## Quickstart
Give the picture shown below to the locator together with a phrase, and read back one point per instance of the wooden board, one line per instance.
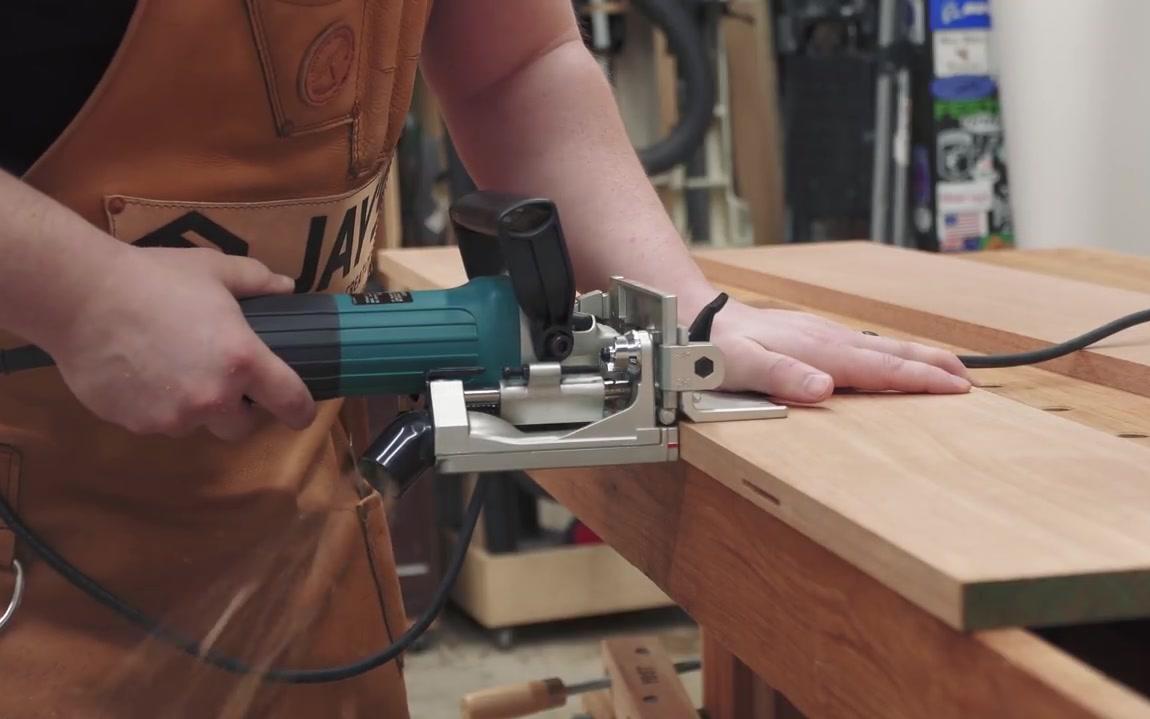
(985, 308)
(1103, 267)
(731, 690)
(983, 512)
(644, 684)
(1111, 410)
(757, 153)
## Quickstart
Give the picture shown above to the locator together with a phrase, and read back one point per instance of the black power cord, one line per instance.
(236, 666)
(685, 41)
(1059, 350)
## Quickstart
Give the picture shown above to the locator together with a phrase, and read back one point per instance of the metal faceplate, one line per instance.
(475, 441)
(729, 406)
(687, 372)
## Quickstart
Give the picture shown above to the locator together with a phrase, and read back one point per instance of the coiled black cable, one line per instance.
(286, 676)
(697, 111)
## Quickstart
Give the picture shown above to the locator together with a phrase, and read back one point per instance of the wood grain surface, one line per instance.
(731, 690)
(984, 512)
(769, 593)
(833, 639)
(644, 684)
(983, 307)
(1102, 267)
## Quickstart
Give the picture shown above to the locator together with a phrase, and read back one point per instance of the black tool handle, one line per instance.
(700, 330)
(521, 236)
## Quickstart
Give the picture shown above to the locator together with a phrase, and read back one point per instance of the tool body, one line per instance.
(385, 343)
(376, 343)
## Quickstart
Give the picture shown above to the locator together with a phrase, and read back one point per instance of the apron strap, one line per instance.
(10, 491)
(9, 565)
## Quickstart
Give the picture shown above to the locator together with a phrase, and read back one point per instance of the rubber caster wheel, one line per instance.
(504, 638)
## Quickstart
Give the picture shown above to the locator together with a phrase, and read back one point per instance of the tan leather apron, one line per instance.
(260, 128)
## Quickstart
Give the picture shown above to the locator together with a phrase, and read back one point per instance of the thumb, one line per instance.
(750, 366)
(247, 277)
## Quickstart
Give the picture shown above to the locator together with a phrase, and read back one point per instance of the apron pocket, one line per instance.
(10, 491)
(387, 75)
(310, 54)
(10, 573)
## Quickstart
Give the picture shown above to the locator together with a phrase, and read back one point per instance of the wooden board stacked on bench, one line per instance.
(983, 307)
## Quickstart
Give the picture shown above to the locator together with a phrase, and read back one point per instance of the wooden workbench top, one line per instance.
(985, 510)
(981, 510)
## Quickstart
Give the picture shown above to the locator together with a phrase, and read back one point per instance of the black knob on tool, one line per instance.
(404, 451)
(700, 330)
(523, 237)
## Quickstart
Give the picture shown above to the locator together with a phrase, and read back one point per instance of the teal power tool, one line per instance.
(516, 371)
(387, 343)
(519, 373)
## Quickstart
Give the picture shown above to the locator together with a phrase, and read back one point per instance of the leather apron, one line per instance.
(261, 128)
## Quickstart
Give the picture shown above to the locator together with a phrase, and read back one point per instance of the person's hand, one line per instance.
(162, 347)
(802, 358)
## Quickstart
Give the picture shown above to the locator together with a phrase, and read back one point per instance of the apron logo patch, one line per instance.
(326, 244)
(174, 234)
(327, 65)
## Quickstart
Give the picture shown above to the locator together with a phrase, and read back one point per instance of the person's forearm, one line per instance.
(552, 129)
(51, 259)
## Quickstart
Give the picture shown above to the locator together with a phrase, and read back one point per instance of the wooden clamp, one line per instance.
(641, 683)
(644, 684)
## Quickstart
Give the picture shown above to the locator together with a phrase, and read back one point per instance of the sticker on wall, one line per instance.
(961, 52)
(969, 144)
(971, 196)
(959, 14)
(961, 231)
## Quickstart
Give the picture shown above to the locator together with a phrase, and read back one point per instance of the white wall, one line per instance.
(1075, 89)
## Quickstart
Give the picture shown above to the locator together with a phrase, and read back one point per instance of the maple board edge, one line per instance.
(1056, 601)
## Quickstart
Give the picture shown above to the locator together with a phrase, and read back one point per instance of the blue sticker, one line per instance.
(959, 14)
(963, 87)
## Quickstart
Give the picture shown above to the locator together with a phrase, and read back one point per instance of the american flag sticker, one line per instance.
(956, 230)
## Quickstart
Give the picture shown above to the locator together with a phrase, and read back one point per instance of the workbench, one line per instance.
(793, 622)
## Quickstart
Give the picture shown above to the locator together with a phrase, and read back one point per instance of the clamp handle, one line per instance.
(700, 330)
(521, 236)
